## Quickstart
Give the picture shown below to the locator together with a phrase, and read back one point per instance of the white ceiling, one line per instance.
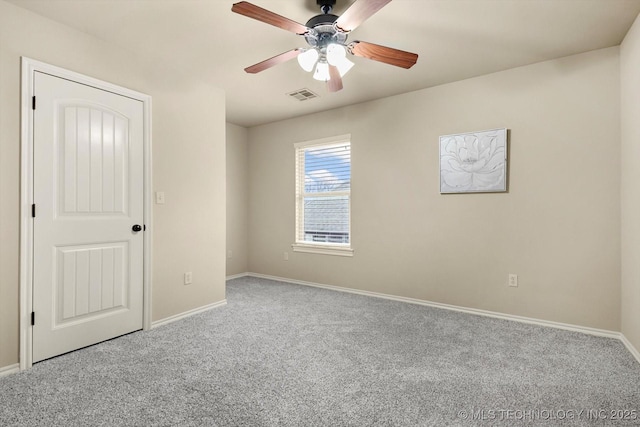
(455, 39)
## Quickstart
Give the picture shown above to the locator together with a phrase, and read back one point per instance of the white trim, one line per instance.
(186, 314)
(148, 215)
(236, 276)
(546, 323)
(521, 319)
(322, 249)
(634, 351)
(26, 225)
(29, 67)
(8, 370)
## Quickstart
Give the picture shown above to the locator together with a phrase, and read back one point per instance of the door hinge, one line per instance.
(33, 318)
(33, 102)
(33, 210)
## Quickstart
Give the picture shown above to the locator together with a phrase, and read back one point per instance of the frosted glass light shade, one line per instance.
(308, 59)
(344, 66)
(335, 54)
(322, 72)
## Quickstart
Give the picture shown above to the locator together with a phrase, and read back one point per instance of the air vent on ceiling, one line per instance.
(302, 94)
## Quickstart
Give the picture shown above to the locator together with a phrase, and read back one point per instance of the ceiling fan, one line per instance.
(327, 35)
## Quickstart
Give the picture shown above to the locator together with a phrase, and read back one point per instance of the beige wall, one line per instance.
(558, 228)
(237, 199)
(189, 167)
(189, 164)
(630, 101)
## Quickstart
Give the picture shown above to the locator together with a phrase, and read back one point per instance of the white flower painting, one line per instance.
(474, 162)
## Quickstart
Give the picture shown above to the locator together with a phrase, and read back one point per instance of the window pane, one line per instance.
(327, 169)
(326, 219)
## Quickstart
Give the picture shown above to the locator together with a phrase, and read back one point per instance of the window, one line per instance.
(323, 196)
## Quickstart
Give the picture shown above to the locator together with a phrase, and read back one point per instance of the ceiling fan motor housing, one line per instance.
(325, 31)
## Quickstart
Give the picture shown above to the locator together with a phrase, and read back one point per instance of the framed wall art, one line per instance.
(474, 162)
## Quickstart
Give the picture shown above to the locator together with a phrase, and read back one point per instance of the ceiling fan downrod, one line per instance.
(326, 6)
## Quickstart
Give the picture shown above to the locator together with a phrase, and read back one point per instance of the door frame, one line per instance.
(29, 68)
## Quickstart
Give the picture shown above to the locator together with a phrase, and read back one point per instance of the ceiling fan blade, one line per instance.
(388, 55)
(334, 83)
(359, 12)
(256, 12)
(268, 63)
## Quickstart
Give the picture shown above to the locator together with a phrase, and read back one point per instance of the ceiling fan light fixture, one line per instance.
(335, 54)
(344, 66)
(322, 72)
(308, 59)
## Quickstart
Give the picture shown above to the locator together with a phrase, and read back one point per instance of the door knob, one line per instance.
(136, 228)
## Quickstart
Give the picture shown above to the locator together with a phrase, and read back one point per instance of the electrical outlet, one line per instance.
(513, 280)
(286, 256)
(188, 278)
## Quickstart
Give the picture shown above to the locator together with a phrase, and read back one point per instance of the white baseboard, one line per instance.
(487, 313)
(634, 351)
(547, 323)
(186, 314)
(237, 276)
(8, 370)
(479, 312)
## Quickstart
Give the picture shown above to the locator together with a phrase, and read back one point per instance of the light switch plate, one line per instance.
(160, 197)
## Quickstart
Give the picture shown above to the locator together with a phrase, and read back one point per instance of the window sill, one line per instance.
(323, 249)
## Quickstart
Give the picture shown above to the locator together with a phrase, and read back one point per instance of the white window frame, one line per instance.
(327, 248)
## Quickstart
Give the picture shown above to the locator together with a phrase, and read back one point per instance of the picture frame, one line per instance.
(474, 162)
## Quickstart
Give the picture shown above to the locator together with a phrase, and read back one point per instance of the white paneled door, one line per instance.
(88, 195)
